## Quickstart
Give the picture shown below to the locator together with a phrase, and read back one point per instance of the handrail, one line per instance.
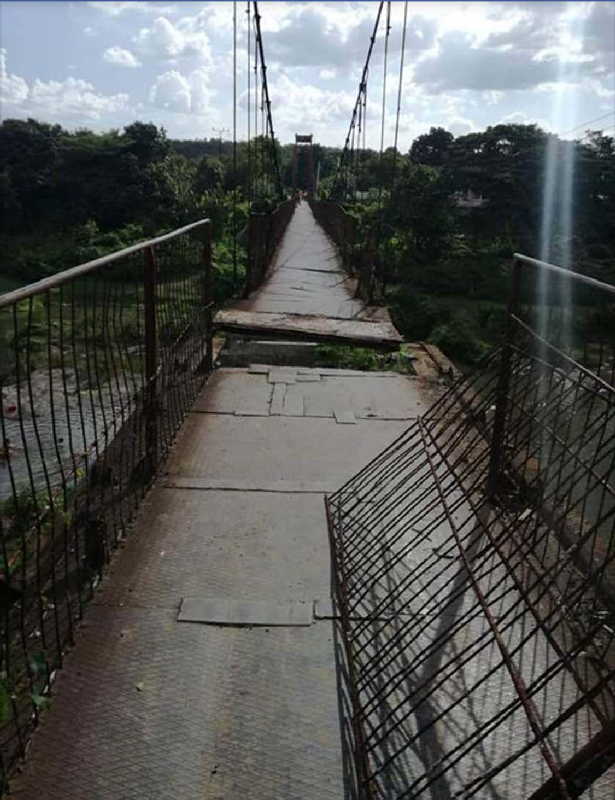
(568, 273)
(66, 275)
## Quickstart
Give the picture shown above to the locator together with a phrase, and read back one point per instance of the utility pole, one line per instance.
(219, 132)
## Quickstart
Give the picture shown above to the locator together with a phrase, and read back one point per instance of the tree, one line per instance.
(209, 175)
(432, 148)
(147, 142)
(504, 164)
(28, 157)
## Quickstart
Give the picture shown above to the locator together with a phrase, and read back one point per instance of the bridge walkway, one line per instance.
(308, 294)
(148, 706)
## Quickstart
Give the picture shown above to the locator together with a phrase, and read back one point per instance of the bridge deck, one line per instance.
(151, 707)
(307, 294)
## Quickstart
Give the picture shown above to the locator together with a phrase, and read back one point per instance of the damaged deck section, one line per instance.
(368, 333)
(308, 296)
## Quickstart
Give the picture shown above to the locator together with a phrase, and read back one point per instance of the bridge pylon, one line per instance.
(303, 163)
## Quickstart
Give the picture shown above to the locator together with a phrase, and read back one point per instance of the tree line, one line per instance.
(67, 196)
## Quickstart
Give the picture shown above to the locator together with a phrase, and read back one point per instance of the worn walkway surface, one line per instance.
(150, 707)
(308, 294)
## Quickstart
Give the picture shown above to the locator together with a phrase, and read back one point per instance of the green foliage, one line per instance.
(432, 148)
(5, 701)
(458, 339)
(346, 357)
(415, 315)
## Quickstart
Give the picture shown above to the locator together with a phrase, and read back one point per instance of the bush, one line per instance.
(415, 315)
(458, 339)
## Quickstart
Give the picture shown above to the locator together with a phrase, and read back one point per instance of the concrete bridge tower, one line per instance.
(303, 163)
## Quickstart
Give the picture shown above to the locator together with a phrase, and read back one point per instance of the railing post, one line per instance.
(150, 276)
(498, 435)
(251, 255)
(256, 248)
(207, 298)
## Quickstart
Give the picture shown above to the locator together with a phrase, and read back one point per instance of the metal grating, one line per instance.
(475, 578)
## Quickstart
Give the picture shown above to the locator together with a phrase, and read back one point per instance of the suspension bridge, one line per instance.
(231, 570)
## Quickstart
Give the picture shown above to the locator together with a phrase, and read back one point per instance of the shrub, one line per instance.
(458, 339)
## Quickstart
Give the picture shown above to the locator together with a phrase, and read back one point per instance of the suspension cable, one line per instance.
(256, 142)
(399, 91)
(274, 154)
(234, 141)
(384, 93)
(362, 85)
(250, 186)
(384, 74)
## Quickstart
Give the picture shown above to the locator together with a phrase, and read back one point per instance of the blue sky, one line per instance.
(468, 65)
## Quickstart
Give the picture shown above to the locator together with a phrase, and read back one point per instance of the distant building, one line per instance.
(469, 199)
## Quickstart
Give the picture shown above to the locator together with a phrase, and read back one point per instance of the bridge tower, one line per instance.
(303, 163)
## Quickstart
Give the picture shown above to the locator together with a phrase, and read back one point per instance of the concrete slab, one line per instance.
(236, 392)
(147, 708)
(293, 404)
(343, 416)
(277, 448)
(277, 399)
(314, 327)
(251, 613)
(366, 396)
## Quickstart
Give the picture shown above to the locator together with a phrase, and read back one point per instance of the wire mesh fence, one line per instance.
(357, 251)
(265, 231)
(98, 366)
(475, 570)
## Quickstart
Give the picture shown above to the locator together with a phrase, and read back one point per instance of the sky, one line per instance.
(468, 65)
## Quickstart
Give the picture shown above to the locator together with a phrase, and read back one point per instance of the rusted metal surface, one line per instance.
(475, 566)
(265, 232)
(99, 365)
(148, 707)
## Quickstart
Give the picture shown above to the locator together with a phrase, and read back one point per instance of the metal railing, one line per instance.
(265, 231)
(98, 366)
(475, 569)
(359, 258)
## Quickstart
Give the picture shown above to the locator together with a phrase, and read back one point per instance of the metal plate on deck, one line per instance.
(344, 416)
(226, 611)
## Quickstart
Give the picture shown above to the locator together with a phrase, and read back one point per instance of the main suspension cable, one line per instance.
(265, 88)
(250, 187)
(384, 96)
(399, 91)
(362, 86)
(234, 141)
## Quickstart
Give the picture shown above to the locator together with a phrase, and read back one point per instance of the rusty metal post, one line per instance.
(585, 767)
(503, 388)
(208, 282)
(208, 299)
(150, 275)
(251, 255)
(256, 244)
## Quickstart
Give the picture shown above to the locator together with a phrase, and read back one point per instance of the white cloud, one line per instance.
(458, 126)
(121, 57)
(307, 107)
(171, 91)
(72, 98)
(88, 31)
(190, 94)
(114, 9)
(13, 89)
(166, 41)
